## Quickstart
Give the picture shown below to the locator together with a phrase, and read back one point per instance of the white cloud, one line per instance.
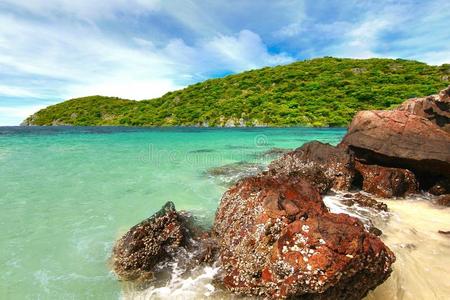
(140, 49)
(434, 57)
(136, 90)
(244, 51)
(358, 40)
(78, 59)
(290, 30)
(10, 116)
(93, 63)
(86, 10)
(13, 91)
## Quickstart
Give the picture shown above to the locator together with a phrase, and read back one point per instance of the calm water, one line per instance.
(66, 194)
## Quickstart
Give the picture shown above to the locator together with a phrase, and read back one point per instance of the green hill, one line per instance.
(319, 92)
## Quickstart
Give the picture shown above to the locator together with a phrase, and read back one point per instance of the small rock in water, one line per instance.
(164, 237)
(375, 231)
(409, 246)
(443, 200)
(202, 151)
(363, 200)
(272, 153)
(441, 187)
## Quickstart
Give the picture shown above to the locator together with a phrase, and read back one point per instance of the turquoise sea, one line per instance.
(67, 193)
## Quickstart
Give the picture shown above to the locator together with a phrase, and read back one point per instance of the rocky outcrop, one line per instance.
(322, 164)
(156, 240)
(435, 108)
(273, 235)
(387, 182)
(402, 140)
(415, 137)
(277, 239)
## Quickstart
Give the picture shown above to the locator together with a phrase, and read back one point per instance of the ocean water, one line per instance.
(67, 193)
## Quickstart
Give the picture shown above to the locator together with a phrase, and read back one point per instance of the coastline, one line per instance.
(257, 260)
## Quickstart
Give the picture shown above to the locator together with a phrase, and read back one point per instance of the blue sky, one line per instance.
(51, 50)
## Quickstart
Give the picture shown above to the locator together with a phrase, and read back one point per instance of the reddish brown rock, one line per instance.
(435, 108)
(159, 239)
(278, 240)
(324, 165)
(387, 182)
(402, 140)
(441, 187)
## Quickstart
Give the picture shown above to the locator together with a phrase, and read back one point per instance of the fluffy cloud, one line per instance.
(52, 50)
(11, 116)
(244, 51)
(90, 62)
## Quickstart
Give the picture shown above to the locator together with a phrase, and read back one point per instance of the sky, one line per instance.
(53, 50)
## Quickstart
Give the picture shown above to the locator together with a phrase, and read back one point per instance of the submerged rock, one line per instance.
(277, 239)
(272, 153)
(387, 182)
(161, 238)
(364, 200)
(202, 151)
(324, 165)
(443, 200)
(230, 173)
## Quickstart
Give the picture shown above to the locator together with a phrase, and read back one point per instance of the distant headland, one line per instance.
(322, 92)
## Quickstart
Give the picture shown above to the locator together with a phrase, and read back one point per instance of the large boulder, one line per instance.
(400, 139)
(387, 182)
(163, 237)
(277, 239)
(324, 165)
(435, 108)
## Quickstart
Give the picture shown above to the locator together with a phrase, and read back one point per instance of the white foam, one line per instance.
(198, 285)
(365, 214)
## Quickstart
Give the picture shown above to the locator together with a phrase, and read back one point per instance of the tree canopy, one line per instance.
(319, 92)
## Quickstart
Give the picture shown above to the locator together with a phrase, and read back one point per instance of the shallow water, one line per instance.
(423, 255)
(66, 194)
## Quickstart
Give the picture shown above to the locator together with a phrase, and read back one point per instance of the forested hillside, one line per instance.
(319, 92)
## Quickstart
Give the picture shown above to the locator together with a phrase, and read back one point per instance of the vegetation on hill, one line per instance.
(319, 92)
